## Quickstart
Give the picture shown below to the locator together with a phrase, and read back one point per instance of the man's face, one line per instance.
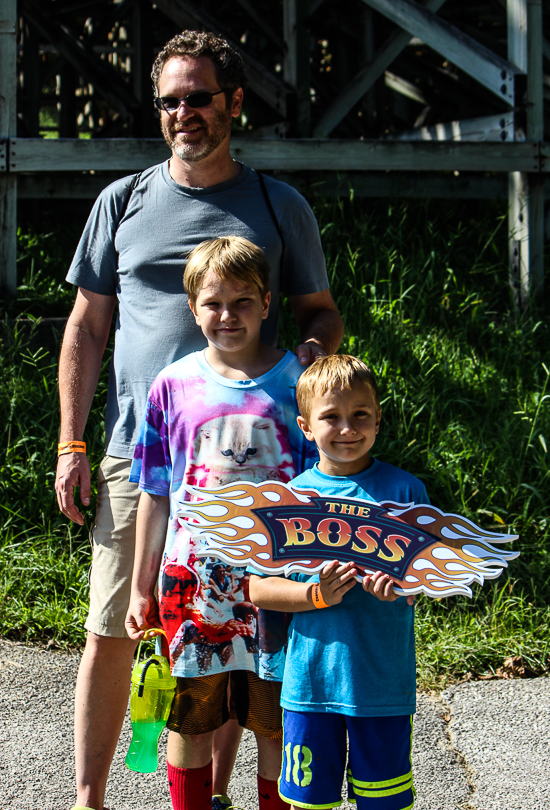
(195, 133)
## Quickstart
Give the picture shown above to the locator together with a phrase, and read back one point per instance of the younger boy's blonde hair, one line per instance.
(334, 371)
(228, 257)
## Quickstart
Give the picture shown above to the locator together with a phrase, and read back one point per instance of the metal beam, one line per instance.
(486, 67)
(122, 154)
(8, 123)
(260, 80)
(365, 79)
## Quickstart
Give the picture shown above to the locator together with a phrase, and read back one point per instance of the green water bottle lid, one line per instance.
(153, 673)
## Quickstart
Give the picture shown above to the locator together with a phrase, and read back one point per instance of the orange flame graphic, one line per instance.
(223, 525)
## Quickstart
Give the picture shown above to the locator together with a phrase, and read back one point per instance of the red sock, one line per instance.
(268, 795)
(191, 788)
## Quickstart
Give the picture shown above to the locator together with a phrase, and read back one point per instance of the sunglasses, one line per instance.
(170, 103)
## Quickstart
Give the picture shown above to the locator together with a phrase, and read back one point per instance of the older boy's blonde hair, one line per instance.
(228, 257)
(334, 371)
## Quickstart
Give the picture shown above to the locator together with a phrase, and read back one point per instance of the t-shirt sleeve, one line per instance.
(152, 465)
(95, 262)
(303, 269)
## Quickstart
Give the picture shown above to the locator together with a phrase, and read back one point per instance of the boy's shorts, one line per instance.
(113, 544)
(314, 760)
(201, 704)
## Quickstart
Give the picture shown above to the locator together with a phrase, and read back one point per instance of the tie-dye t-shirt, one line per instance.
(201, 429)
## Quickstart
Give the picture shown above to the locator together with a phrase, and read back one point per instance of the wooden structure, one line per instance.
(388, 97)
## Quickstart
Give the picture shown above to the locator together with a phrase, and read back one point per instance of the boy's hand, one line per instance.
(336, 580)
(381, 586)
(143, 614)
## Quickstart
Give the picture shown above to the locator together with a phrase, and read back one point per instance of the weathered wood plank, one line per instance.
(124, 154)
(31, 154)
(475, 59)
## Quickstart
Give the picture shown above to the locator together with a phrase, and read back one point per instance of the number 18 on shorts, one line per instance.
(379, 769)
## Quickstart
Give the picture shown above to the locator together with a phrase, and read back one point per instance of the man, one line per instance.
(132, 251)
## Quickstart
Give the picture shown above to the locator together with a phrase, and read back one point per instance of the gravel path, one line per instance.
(479, 746)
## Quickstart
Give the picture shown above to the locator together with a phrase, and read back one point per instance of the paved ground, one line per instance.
(478, 746)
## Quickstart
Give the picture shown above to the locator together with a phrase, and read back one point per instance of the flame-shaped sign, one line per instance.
(279, 529)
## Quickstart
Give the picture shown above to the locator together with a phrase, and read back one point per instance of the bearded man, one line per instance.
(131, 255)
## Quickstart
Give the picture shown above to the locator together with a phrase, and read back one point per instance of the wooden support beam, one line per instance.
(123, 154)
(30, 96)
(260, 80)
(486, 67)
(535, 132)
(296, 67)
(366, 77)
(8, 123)
(525, 190)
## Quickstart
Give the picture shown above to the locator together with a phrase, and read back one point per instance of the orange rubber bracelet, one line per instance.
(70, 447)
(317, 596)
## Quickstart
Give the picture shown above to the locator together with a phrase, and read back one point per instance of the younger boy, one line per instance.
(222, 415)
(350, 668)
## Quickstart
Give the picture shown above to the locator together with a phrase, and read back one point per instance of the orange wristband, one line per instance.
(70, 447)
(317, 596)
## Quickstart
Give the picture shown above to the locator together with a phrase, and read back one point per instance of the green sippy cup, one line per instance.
(151, 696)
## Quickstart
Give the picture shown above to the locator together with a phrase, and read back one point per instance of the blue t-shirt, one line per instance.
(203, 430)
(356, 658)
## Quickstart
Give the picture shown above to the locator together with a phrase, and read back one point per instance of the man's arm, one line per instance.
(321, 327)
(152, 521)
(84, 342)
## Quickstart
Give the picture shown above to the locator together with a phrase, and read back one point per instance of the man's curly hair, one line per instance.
(228, 63)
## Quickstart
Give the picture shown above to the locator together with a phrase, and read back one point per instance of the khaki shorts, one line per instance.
(113, 543)
(200, 704)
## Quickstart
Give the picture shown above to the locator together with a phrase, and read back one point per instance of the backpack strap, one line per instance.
(270, 207)
(128, 194)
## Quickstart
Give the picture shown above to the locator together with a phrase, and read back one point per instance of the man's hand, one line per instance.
(143, 614)
(321, 327)
(73, 470)
(381, 586)
(308, 352)
(336, 580)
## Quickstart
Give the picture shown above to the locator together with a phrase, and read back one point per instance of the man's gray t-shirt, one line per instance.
(142, 260)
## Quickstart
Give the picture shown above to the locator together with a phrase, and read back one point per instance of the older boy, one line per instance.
(350, 668)
(221, 415)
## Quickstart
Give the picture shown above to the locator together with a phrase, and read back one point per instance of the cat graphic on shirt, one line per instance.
(239, 447)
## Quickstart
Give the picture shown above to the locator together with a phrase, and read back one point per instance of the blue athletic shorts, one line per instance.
(314, 760)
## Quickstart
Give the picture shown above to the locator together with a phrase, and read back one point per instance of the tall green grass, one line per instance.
(423, 291)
